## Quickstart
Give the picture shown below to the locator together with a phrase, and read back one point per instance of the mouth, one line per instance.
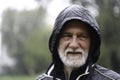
(74, 53)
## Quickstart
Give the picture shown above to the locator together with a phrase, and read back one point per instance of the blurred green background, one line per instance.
(25, 36)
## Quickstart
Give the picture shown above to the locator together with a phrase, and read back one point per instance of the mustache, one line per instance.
(69, 50)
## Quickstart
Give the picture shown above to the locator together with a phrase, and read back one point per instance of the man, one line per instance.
(75, 47)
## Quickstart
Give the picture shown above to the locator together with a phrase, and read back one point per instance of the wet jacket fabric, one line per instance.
(99, 73)
(89, 71)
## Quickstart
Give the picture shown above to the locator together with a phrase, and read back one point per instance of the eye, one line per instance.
(83, 37)
(66, 36)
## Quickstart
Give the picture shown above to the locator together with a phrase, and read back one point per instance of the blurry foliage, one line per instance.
(108, 19)
(37, 46)
(25, 35)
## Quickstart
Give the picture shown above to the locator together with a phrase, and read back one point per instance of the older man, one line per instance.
(75, 47)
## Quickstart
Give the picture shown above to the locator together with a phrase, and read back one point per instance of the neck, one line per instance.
(68, 71)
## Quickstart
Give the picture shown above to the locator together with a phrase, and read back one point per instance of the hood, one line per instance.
(82, 14)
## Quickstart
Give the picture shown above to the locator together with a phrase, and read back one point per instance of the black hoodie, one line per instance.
(74, 12)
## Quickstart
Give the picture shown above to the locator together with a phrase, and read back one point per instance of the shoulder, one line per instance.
(106, 73)
(44, 77)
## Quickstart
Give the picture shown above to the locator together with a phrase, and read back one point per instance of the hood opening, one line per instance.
(94, 51)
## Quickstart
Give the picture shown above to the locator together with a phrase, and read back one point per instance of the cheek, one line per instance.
(63, 45)
(87, 45)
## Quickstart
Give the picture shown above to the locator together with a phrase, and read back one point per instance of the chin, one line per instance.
(74, 62)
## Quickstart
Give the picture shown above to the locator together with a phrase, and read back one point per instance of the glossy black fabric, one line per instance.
(99, 73)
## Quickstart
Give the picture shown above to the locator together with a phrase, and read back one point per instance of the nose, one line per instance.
(74, 44)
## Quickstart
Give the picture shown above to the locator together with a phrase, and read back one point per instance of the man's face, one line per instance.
(74, 44)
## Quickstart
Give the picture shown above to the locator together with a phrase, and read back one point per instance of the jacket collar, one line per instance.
(75, 75)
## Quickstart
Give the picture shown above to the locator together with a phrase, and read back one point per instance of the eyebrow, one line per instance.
(68, 33)
(65, 33)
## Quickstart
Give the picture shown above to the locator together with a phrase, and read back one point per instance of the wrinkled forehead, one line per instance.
(75, 24)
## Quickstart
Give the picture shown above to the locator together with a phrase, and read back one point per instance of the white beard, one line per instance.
(73, 61)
